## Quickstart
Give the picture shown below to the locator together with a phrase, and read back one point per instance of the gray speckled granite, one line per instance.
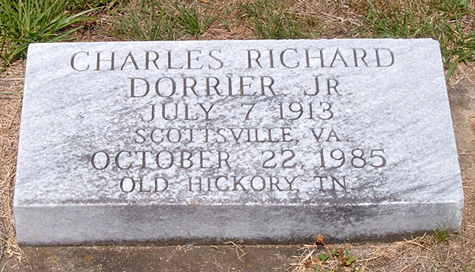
(95, 167)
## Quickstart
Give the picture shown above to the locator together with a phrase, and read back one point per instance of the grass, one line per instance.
(79, 5)
(193, 18)
(321, 258)
(151, 20)
(448, 21)
(442, 233)
(28, 21)
(438, 19)
(147, 21)
(278, 20)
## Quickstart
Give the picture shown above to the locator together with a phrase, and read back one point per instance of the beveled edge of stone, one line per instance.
(72, 225)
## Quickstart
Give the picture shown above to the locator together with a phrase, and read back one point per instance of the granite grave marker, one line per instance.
(206, 141)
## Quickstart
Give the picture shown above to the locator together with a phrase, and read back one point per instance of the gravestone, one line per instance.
(206, 141)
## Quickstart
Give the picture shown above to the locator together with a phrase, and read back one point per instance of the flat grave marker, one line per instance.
(206, 141)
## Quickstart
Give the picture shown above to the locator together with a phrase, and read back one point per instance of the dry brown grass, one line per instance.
(418, 254)
(11, 85)
(337, 20)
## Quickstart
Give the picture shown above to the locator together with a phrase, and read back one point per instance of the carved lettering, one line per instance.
(248, 183)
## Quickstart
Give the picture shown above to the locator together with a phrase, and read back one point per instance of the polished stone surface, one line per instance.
(212, 140)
